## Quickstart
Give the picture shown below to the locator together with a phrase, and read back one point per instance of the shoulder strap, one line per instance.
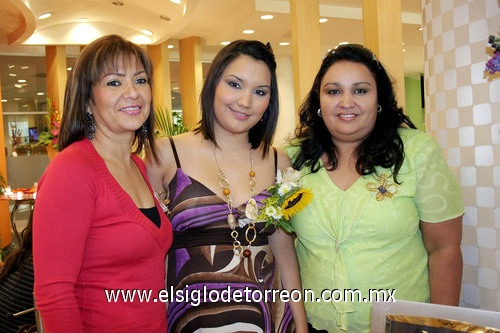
(175, 153)
(275, 160)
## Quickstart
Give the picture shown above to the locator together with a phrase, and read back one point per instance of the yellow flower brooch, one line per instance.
(287, 199)
(383, 189)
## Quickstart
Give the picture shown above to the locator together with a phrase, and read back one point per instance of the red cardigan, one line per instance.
(88, 236)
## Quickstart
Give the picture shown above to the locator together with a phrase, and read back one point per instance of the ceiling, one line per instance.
(215, 21)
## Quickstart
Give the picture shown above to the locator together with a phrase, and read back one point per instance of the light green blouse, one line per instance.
(368, 237)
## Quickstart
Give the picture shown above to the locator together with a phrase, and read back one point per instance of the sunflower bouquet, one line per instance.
(287, 199)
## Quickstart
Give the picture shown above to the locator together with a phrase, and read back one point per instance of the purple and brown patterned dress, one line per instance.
(215, 290)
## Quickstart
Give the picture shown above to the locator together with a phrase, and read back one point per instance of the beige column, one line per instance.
(5, 235)
(191, 79)
(306, 46)
(383, 34)
(55, 57)
(162, 95)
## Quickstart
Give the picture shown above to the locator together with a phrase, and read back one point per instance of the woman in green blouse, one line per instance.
(386, 216)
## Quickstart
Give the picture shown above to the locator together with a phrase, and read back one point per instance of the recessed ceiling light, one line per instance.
(69, 68)
(4, 101)
(284, 43)
(17, 85)
(12, 74)
(248, 31)
(225, 43)
(170, 46)
(44, 16)
(21, 81)
(323, 20)
(17, 99)
(147, 32)
(267, 17)
(40, 94)
(420, 28)
(83, 19)
(25, 67)
(12, 66)
(176, 1)
(118, 3)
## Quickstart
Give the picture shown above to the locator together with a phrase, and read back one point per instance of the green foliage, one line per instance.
(165, 125)
(3, 183)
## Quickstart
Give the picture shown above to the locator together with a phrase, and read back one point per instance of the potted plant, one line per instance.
(49, 137)
(165, 125)
(3, 184)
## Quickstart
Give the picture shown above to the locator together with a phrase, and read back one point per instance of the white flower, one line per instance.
(291, 175)
(274, 212)
(284, 189)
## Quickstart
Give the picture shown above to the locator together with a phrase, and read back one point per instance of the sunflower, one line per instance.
(286, 199)
(296, 202)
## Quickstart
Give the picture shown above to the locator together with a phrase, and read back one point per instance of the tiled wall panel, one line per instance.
(463, 114)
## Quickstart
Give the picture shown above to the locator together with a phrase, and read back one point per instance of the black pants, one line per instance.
(313, 330)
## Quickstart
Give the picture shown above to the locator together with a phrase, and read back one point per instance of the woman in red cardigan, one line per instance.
(98, 227)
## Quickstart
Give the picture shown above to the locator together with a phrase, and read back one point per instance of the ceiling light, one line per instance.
(248, 31)
(17, 99)
(40, 94)
(69, 68)
(323, 20)
(12, 74)
(17, 85)
(147, 32)
(4, 100)
(44, 16)
(420, 28)
(170, 46)
(83, 19)
(284, 43)
(267, 17)
(25, 67)
(12, 66)
(225, 43)
(21, 81)
(118, 3)
(176, 1)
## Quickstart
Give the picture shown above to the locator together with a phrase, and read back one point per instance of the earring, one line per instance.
(379, 109)
(90, 125)
(145, 129)
(319, 113)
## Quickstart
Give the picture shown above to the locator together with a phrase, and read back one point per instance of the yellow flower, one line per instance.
(296, 202)
(383, 189)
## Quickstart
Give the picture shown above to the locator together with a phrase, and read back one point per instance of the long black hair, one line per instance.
(383, 147)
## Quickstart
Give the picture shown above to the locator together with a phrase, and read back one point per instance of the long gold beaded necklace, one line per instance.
(251, 210)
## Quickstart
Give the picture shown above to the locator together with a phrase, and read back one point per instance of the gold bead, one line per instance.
(252, 173)
(226, 191)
